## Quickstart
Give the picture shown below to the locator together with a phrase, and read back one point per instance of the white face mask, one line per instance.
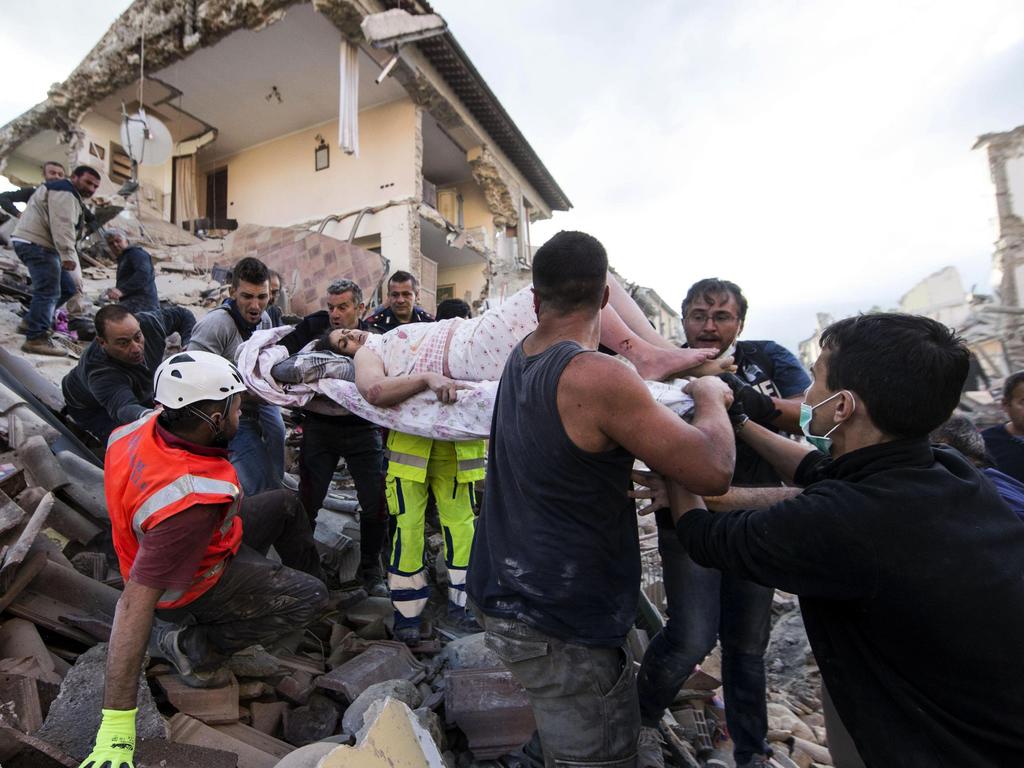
(822, 442)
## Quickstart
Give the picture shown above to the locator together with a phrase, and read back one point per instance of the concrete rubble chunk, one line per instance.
(254, 738)
(20, 638)
(188, 730)
(74, 717)
(313, 722)
(62, 592)
(382, 660)
(470, 652)
(37, 457)
(267, 716)
(211, 705)
(254, 689)
(369, 611)
(491, 708)
(392, 738)
(18, 547)
(402, 690)
(297, 687)
(157, 753)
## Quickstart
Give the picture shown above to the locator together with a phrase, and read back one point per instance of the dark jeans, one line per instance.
(326, 439)
(51, 286)
(703, 605)
(256, 600)
(257, 449)
(584, 698)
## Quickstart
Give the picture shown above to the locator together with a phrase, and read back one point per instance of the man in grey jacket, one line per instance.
(45, 241)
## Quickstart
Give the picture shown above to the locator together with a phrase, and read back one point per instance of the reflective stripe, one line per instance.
(127, 429)
(465, 465)
(407, 458)
(232, 513)
(409, 594)
(457, 576)
(417, 580)
(184, 486)
(457, 596)
(172, 595)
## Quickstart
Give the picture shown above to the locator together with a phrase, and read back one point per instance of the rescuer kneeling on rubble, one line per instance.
(191, 549)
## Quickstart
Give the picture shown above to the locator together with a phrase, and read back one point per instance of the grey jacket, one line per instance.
(52, 218)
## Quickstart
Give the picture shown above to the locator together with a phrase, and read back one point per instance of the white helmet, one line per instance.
(189, 377)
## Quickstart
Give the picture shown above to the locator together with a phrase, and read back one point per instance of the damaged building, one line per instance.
(358, 120)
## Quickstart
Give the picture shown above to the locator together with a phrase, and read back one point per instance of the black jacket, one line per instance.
(99, 384)
(910, 572)
(136, 280)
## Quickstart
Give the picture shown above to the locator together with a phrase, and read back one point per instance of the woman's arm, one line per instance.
(382, 390)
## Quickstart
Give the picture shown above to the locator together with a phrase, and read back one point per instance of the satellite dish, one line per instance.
(146, 140)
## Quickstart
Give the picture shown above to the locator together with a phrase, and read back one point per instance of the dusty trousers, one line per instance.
(584, 698)
(256, 600)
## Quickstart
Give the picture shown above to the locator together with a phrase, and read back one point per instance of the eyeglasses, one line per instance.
(718, 318)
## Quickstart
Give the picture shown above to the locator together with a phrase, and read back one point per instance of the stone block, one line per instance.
(211, 705)
(402, 690)
(313, 722)
(266, 717)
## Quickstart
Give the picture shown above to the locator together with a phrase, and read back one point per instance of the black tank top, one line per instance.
(556, 544)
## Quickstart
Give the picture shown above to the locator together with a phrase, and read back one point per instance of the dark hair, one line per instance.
(250, 270)
(450, 308)
(909, 370)
(112, 313)
(58, 164)
(85, 169)
(1011, 384)
(959, 432)
(711, 289)
(570, 272)
(272, 273)
(185, 420)
(401, 276)
(323, 342)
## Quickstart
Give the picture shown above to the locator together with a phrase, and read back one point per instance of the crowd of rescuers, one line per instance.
(550, 567)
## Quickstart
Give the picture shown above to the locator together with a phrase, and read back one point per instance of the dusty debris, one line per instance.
(393, 737)
(401, 690)
(211, 705)
(491, 708)
(382, 660)
(75, 715)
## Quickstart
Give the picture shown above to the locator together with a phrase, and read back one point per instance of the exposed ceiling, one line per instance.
(161, 102)
(444, 161)
(227, 84)
(43, 146)
(434, 245)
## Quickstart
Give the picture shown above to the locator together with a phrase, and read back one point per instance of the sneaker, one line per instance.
(43, 346)
(217, 677)
(373, 583)
(460, 622)
(649, 752)
(408, 635)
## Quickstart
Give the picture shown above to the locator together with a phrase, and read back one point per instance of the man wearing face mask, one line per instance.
(705, 605)
(191, 549)
(905, 558)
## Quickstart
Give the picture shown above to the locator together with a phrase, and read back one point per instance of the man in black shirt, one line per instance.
(135, 288)
(113, 382)
(906, 560)
(1005, 442)
(705, 605)
(330, 433)
(402, 307)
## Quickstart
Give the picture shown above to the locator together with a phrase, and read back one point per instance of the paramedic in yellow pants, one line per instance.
(450, 470)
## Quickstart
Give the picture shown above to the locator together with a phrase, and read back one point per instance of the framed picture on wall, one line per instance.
(445, 292)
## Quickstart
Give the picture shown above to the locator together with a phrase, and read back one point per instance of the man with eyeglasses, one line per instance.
(113, 382)
(703, 603)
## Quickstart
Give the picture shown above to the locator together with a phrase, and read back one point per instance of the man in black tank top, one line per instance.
(555, 568)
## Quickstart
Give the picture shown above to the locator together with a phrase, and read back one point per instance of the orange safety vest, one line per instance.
(147, 481)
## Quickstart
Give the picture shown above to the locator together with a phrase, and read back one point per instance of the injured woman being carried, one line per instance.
(439, 379)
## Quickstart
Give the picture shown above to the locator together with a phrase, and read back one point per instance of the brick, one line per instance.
(211, 705)
(266, 717)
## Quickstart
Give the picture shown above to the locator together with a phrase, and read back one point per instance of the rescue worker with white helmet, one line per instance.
(192, 549)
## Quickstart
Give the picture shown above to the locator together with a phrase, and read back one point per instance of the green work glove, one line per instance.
(115, 741)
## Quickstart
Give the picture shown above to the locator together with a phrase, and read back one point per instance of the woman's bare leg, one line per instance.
(653, 362)
(631, 314)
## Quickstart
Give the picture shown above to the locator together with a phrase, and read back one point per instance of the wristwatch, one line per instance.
(739, 423)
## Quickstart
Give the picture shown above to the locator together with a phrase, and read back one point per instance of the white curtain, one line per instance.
(348, 101)
(186, 206)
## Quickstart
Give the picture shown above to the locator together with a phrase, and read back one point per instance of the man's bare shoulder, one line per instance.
(599, 375)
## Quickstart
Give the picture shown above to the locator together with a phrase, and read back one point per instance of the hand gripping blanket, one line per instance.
(469, 418)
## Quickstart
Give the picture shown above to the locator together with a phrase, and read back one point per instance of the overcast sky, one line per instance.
(817, 153)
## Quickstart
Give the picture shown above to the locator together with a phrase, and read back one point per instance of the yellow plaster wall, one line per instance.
(471, 278)
(276, 184)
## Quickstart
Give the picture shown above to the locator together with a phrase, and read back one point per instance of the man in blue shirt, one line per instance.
(1005, 442)
(135, 289)
(703, 603)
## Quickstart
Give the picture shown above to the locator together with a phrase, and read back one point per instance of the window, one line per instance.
(120, 164)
